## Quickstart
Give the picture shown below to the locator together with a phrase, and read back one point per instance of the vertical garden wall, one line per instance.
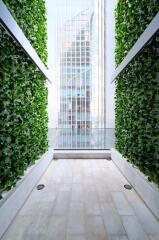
(137, 88)
(23, 94)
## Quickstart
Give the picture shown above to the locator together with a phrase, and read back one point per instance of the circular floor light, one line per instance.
(40, 186)
(128, 187)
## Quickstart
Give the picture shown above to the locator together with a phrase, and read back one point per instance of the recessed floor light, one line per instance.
(40, 186)
(128, 187)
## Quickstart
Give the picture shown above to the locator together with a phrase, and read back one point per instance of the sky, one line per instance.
(58, 12)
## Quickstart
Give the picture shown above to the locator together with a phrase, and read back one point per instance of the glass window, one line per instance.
(79, 36)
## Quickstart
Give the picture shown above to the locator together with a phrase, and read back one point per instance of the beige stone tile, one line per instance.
(104, 195)
(92, 206)
(34, 237)
(77, 187)
(134, 228)
(95, 228)
(49, 196)
(146, 218)
(66, 180)
(76, 208)
(77, 193)
(112, 220)
(67, 172)
(62, 203)
(39, 224)
(65, 187)
(76, 224)
(25, 227)
(77, 178)
(76, 219)
(153, 237)
(52, 186)
(29, 209)
(46, 208)
(102, 163)
(35, 196)
(119, 237)
(76, 237)
(110, 181)
(89, 187)
(56, 179)
(131, 195)
(123, 206)
(18, 228)
(101, 185)
(56, 229)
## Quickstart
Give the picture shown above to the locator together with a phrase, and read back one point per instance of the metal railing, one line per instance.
(82, 138)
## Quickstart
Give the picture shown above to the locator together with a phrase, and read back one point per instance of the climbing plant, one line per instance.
(23, 94)
(31, 17)
(137, 88)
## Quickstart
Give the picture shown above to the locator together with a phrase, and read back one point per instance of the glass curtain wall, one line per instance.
(79, 52)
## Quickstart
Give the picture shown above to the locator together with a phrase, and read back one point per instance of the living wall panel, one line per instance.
(31, 18)
(23, 94)
(137, 88)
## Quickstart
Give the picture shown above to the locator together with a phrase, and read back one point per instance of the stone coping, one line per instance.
(15, 198)
(148, 191)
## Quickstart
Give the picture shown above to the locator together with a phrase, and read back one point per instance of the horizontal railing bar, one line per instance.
(79, 128)
(12, 27)
(151, 29)
(83, 149)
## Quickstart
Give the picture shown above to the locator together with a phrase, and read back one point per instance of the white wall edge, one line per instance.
(110, 62)
(81, 154)
(16, 32)
(151, 29)
(10, 207)
(148, 191)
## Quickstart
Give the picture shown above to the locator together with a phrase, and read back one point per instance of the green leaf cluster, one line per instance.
(23, 97)
(137, 88)
(31, 17)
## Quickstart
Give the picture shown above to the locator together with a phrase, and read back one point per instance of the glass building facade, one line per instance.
(80, 72)
(76, 73)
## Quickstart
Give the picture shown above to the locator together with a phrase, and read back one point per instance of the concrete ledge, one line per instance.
(148, 191)
(149, 32)
(13, 28)
(10, 205)
(82, 154)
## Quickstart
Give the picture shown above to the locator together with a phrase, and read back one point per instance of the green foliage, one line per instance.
(137, 89)
(23, 99)
(132, 17)
(31, 17)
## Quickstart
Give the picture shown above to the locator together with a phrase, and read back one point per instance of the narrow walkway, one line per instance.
(83, 200)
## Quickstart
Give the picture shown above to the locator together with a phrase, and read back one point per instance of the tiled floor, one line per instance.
(83, 200)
